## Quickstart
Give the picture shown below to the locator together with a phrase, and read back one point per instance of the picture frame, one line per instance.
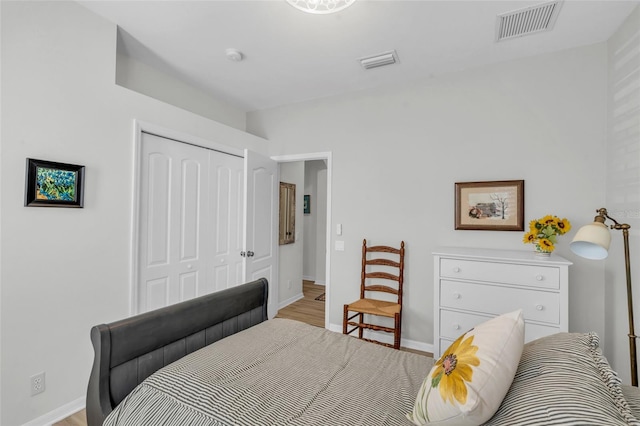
(52, 184)
(490, 205)
(306, 205)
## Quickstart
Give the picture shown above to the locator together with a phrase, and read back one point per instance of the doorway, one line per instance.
(319, 164)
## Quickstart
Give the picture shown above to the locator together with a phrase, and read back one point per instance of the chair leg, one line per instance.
(397, 332)
(344, 319)
(360, 330)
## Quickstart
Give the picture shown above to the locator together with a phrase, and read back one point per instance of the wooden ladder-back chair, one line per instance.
(378, 264)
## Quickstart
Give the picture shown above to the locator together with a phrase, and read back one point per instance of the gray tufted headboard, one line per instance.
(130, 350)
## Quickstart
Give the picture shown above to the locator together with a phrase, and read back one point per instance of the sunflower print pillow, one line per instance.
(468, 383)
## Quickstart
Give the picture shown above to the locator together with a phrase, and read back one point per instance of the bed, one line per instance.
(218, 360)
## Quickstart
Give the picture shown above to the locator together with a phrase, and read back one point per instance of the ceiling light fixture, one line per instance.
(320, 7)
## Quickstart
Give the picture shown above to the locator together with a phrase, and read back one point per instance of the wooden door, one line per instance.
(173, 198)
(261, 223)
(225, 218)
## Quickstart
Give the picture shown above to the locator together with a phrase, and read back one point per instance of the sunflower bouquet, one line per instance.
(543, 232)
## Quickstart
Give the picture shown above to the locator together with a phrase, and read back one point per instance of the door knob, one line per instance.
(250, 254)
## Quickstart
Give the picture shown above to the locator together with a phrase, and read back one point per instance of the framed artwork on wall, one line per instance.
(51, 184)
(287, 213)
(307, 204)
(490, 206)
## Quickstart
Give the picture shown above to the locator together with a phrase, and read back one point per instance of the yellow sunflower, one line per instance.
(548, 220)
(453, 369)
(546, 245)
(563, 226)
(534, 225)
(529, 237)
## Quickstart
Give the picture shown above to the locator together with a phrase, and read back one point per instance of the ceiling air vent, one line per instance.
(529, 20)
(387, 58)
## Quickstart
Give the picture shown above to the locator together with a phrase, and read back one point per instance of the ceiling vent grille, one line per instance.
(529, 20)
(387, 58)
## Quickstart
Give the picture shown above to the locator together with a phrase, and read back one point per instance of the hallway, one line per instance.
(308, 309)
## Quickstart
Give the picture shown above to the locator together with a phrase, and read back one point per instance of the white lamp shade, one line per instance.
(592, 241)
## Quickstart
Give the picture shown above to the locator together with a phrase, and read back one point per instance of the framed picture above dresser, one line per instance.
(472, 285)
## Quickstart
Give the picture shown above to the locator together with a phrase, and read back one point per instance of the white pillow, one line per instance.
(481, 365)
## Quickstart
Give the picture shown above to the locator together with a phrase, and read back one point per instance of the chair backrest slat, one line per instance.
(384, 262)
(382, 275)
(381, 288)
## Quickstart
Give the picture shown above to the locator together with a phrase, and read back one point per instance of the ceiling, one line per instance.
(291, 56)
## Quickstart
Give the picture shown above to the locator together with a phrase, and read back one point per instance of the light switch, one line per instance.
(339, 245)
(339, 229)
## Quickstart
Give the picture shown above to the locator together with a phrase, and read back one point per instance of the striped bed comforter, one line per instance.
(280, 372)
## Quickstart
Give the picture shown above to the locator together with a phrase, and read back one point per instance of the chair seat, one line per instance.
(375, 307)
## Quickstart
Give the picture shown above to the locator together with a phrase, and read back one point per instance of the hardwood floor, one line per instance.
(77, 419)
(307, 310)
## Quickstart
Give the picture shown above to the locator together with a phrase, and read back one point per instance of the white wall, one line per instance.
(65, 270)
(142, 78)
(398, 152)
(315, 223)
(321, 225)
(290, 255)
(623, 188)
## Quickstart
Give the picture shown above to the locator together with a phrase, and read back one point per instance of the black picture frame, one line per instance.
(490, 205)
(52, 184)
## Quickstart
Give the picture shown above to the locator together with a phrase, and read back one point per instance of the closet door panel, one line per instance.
(226, 211)
(173, 199)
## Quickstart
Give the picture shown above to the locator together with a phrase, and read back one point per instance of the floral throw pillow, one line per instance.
(470, 380)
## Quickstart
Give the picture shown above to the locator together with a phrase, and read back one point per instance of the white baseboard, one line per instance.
(59, 413)
(320, 283)
(290, 300)
(387, 338)
(308, 278)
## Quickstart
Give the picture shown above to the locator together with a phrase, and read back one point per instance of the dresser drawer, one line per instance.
(453, 324)
(494, 300)
(505, 273)
(531, 331)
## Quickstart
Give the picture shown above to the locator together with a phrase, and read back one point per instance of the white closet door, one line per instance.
(174, 188)
(261, 223)
(225, 216)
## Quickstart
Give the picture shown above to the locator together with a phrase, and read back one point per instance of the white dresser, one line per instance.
(473, 284)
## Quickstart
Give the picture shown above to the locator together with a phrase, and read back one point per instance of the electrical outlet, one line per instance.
(37, 384)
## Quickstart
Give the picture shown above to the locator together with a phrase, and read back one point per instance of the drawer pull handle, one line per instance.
(457, 296)
(456, 326)
(456, 269)
(540, 307)
(539, 277)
